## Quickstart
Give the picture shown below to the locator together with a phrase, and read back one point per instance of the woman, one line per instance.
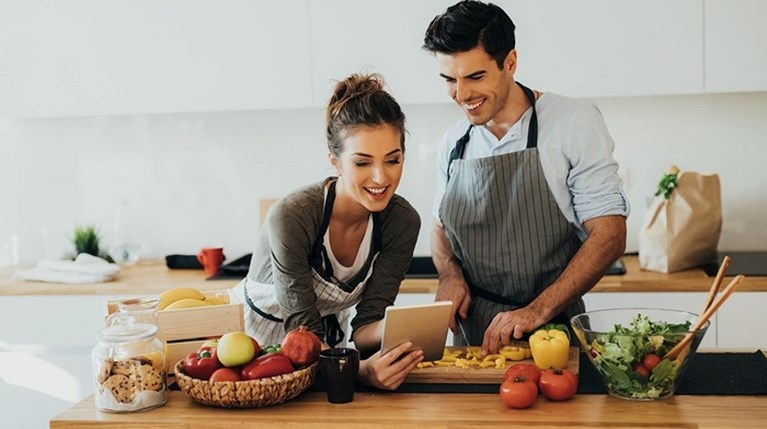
(344, 242)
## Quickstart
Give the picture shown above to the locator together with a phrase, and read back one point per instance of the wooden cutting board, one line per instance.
(455, 375)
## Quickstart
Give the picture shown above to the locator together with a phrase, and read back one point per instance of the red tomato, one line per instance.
(558, 385)
(268, 365)
(650, 361)
(523, 371)
(518, 394)
(225, 374)
(642, 370)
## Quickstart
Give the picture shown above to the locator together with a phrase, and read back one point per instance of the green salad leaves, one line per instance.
(620, 353)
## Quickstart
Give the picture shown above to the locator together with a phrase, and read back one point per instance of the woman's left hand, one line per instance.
(388, 370)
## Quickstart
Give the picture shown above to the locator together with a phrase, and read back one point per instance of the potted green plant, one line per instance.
(86, 239)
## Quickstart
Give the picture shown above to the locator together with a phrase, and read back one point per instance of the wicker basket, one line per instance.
(246, 394)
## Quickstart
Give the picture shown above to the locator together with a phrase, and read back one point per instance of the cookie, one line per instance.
(106, 370)
(146, 378)
(130, 365)
(120, 387)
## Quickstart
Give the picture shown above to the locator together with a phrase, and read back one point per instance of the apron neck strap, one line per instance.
(532, 132)
(532, 129)
(319, 259)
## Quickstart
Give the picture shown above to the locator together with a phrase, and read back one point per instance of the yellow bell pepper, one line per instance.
(550, 349)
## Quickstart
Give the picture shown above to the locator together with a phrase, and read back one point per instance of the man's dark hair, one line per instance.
(470, 23)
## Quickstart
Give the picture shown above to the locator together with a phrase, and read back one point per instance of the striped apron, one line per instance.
(506, 229)
(263, 315)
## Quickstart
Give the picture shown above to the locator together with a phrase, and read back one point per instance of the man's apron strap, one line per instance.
(490, 296)
(532, 132)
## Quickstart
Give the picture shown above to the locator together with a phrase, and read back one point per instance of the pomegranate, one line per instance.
(301, 346)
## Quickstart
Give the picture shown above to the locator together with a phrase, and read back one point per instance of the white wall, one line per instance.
(191, 180)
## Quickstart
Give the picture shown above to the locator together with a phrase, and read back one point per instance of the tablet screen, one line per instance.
(425, 325)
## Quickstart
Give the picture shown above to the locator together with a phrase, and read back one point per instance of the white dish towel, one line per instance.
(84, 269)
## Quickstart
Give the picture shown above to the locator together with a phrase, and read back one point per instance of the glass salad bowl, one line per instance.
(637, 351)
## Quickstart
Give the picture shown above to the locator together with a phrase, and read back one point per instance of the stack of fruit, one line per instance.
(236, 356)
(186, 297)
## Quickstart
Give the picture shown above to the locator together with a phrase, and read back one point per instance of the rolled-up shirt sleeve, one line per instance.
(593, 179)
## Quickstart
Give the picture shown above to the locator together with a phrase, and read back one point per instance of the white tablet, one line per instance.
(425, 325)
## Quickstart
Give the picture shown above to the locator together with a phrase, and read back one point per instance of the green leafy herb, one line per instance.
(667, 184)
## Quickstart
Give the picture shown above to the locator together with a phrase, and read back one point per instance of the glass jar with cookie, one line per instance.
(129, 367)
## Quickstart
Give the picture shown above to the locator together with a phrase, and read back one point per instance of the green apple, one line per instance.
(235, 348)
(210, 343)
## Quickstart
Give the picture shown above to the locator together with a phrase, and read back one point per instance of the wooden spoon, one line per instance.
(705, 316)
(712, 291)
(717, 283)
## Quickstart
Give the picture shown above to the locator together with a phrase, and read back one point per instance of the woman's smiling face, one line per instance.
(370, 166)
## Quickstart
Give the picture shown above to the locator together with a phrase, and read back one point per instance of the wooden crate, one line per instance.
(186, 329)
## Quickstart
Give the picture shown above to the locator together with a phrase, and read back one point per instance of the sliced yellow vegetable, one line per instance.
(512, 353)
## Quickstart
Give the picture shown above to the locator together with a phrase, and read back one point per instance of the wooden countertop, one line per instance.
(433, 410)
(152, 277)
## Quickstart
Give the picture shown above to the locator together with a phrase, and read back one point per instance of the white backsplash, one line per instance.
(183, 181)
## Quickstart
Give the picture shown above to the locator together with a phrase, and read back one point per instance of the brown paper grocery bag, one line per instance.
(682, 231)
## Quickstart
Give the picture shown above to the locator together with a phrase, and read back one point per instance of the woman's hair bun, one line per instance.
(361, 100)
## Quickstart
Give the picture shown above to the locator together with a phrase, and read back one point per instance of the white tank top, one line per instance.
(341, 272)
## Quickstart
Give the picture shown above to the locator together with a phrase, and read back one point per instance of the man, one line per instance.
(529, 211)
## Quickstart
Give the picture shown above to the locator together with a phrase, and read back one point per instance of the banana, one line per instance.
(172, 295)
(187, 303)
(216, 299)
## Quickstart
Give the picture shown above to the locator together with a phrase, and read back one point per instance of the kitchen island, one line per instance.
(434, 410)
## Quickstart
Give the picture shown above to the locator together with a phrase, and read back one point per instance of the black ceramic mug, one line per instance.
(338, 368)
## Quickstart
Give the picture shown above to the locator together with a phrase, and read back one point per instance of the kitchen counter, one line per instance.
(422, 410)
(152, 277)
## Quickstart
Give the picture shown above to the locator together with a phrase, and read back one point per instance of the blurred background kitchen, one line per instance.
(165, 123)
(173, 119)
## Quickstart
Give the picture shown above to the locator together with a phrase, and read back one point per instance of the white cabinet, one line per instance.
(386, 37)
(51, 321)
(597, 48)
(736, 45)
(45, 354)
(742, 321)
(686, 301)
(590, 48)
(94, 57)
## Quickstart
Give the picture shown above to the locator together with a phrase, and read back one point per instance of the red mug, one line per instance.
(211, 259)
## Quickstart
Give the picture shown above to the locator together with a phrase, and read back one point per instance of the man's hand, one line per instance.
(455, 289)
(452, 284)
(508, 325)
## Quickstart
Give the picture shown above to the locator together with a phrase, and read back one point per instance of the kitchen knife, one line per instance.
(461, 331)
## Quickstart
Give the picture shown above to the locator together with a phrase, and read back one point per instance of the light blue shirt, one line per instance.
(576, 153)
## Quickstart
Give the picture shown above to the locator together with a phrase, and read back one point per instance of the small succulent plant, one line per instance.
(86, 239)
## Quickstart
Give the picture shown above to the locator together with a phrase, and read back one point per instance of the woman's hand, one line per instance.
(389, 370)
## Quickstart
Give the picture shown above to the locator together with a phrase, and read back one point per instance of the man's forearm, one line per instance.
(606, 243)
(442, 254)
